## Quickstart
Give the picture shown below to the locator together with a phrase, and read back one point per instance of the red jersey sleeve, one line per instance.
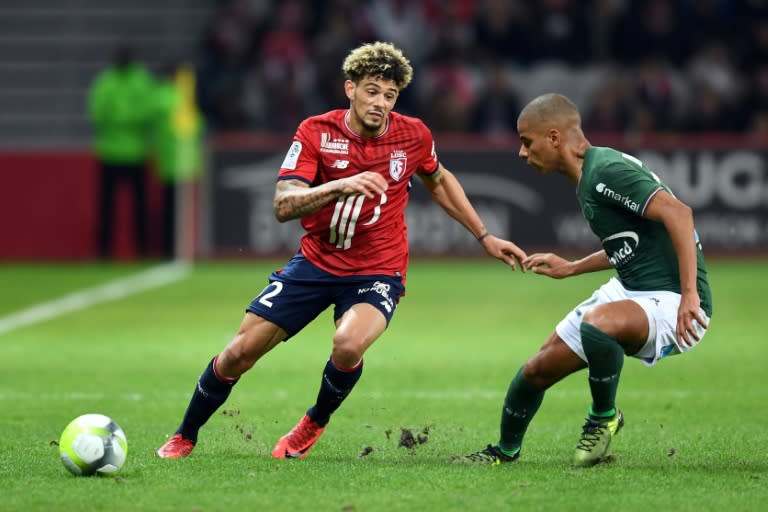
(430, 162)
(301, 160)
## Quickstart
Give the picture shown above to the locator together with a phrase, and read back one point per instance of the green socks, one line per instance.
(607, 415)
(605, 358)
(520, 405)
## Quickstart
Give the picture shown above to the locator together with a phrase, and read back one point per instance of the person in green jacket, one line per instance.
(177, 140)
(120, 109)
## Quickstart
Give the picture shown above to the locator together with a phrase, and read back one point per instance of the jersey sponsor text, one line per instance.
(329, 145)
(611, 194)
(626, 251)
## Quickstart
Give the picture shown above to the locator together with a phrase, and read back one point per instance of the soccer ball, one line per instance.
(93, 443)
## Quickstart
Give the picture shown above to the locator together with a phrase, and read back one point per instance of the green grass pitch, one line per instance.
(696, 436)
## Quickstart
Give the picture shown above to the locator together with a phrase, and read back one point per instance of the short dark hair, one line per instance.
(551, 107)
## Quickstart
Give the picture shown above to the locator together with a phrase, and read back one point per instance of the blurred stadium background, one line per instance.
(682, 84)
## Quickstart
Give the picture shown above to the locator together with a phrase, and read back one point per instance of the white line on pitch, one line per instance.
(113, 290)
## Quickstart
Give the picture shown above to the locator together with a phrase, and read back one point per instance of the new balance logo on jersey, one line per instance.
(338, 146)
(340, 164)
(625, 200)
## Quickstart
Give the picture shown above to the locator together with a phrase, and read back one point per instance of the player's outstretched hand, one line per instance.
(687, 314)
(369, 184)
(548, 264)
(504, 250)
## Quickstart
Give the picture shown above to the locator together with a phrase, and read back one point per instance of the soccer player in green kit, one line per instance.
(658, 305)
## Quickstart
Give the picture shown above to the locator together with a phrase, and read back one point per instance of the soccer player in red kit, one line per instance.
(346, 176)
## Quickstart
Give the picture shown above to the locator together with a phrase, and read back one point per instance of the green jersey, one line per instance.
(120, 108)
(613, 192)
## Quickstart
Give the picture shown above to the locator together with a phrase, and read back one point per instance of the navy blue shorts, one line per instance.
(300, 291)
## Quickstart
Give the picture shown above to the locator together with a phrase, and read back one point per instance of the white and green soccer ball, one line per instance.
(93, 443)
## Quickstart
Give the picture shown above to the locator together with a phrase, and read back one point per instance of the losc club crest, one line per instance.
(397, 164)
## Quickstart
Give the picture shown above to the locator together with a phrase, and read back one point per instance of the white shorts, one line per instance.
(660, 307)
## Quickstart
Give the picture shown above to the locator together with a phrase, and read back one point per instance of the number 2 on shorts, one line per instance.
(264, 299)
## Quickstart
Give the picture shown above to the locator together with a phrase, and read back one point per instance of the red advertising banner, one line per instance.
(49, 208)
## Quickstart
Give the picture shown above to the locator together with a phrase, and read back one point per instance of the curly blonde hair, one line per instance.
(380, 60)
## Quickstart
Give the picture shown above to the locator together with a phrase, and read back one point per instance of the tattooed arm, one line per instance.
(295, 199)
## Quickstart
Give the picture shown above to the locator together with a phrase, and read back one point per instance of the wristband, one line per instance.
(480, 238)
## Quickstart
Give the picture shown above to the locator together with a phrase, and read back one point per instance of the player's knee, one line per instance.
(346, 357)
(614, 317)
(535, 373)
(346, 352)
(236, 358)
(553, 363)
(234, 361)
(600, 319)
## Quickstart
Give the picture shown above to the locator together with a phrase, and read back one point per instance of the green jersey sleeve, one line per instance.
(628, 185)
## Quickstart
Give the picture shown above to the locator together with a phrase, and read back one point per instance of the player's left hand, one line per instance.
(688, 313)
(504, 250)
(549, 264)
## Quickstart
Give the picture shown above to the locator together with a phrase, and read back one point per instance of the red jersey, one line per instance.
(355, 235)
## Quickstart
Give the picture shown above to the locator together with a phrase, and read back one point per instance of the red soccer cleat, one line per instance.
(296, 443)
(175, 448)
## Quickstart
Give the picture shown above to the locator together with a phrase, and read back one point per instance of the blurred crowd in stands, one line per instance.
(632, 65)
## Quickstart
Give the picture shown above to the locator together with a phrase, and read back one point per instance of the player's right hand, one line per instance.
(369, 184)
(688, 314)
